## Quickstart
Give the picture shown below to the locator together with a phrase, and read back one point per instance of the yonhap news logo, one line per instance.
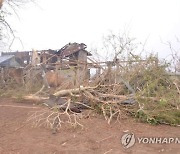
(129, 139)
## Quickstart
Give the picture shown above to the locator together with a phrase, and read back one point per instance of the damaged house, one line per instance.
(10, 67)
(68, 64)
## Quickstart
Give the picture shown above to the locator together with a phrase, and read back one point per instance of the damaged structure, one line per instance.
(66, 64)
(9, 61)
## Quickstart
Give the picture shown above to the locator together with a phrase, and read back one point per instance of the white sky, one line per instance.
(54, 23)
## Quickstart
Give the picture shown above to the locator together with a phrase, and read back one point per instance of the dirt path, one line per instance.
(96, 138)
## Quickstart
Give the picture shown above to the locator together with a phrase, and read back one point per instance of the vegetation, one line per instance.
(127, 85)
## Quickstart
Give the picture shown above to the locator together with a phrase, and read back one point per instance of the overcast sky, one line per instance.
(54, 23)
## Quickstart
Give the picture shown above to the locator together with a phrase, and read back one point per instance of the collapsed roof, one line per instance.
(72, 48)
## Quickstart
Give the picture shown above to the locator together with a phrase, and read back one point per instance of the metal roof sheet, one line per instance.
(5, 57)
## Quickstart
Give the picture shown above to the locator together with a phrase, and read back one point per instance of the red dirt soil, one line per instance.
(97, 137)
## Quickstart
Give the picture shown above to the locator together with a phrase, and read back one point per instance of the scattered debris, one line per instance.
(61, 80)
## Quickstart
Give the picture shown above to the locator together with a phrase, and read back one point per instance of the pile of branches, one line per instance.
(67, 106)
(143, 90)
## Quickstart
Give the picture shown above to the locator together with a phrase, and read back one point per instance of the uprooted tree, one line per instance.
(124, 85)
(128, 85)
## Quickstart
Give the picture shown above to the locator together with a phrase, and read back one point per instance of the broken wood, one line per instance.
(121, 97)
(35, 98)
(72, 91)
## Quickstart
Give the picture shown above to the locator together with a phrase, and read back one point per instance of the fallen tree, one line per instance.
(147, 93)
(136, 87)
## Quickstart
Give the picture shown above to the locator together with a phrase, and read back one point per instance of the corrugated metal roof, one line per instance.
(5, 57)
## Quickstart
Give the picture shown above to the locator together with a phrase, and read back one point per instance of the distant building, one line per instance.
(23, 58)
(69, 62)
(74, 52)
(9, 61)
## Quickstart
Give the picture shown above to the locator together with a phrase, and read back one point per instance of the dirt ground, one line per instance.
(97, 137)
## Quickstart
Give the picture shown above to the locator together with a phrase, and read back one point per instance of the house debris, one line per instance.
(68, 63)
(61, 80)
(73, 49)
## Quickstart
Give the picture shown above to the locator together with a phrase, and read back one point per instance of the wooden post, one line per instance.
(109, 65)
